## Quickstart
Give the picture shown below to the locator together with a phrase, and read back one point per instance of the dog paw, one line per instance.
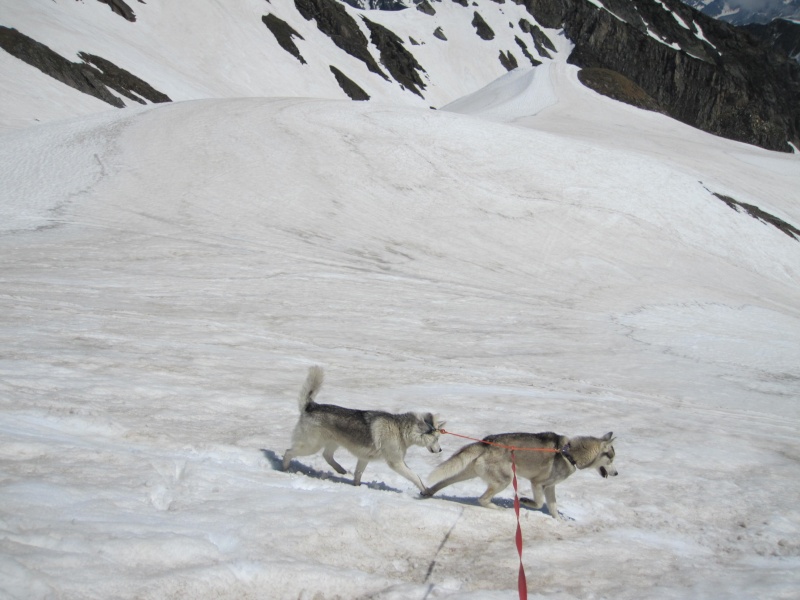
(426, 493)
(528, 503)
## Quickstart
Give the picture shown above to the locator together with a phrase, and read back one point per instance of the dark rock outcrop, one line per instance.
(284, 33)
(120, 8)
(93, 76)
(376, 4)
(334, 21)
(508, 60)
(616, 86)
(781, 34)
(732, 85)
(400, 63)
(763, 216)
(482, 27)
(348, 86)
(540, 40)
(526, 53)
(426, 8)
(123, 81)
(748, 12)
(439, 33)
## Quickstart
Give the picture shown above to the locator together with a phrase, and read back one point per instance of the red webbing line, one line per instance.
(512, 448)
(522, 583)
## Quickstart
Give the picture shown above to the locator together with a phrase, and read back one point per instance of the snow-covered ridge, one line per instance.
(222, 51)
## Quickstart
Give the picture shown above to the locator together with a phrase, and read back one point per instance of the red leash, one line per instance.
(512, 448)
(522, 583)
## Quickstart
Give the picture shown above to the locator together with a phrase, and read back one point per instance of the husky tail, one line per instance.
(460, 463)
(310, 388)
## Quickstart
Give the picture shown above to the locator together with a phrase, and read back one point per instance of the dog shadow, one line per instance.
(499, 502)
(276, 462)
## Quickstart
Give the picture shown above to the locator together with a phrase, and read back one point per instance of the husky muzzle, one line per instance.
(605, 473)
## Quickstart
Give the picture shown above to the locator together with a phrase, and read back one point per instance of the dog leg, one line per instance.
(402, 468)
(486, 499)
(301, 448)
(538, 497)
(360, 466)
(287, 457)
(550, 495)
(328, 456)
(463, 476)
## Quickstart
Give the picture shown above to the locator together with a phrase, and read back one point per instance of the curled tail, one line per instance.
(311, 386)
(458, 463)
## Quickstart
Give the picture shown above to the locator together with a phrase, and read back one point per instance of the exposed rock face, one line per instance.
(348, 86)
(377, 4)
(482, 27)
(616, 86)
(737, 88)
(765, 217)
(508, 61)
(93, 76)
(284, 33)
(526, 53)
(122, 9)
(747, 12)
(122, 81)
(439, 33)
(333, 20)
(782, 35)
(540, 40)
(400, 63)
(425, 7)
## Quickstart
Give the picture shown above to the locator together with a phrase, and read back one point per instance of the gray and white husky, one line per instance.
(368, 434)
(492, 463)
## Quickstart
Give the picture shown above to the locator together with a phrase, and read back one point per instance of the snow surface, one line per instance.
(221, 49)
(536, 257)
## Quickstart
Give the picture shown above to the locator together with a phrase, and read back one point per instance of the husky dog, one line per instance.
(492, 463)
(368, 434)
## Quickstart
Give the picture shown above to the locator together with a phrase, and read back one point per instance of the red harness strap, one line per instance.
(522, 583)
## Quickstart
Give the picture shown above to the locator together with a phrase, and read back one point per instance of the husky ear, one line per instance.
(427, 420)
(609, 437)
(430, 423)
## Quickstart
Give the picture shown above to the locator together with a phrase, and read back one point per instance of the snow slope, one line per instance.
(218, 49)
(535, 257)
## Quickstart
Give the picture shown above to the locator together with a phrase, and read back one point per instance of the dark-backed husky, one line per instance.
(492, 463)
(368, 434)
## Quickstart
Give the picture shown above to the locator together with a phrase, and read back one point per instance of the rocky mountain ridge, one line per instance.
(781, 34)
(660, 55)
(745, 12)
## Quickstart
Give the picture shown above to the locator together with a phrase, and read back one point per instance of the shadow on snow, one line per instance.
(276, 462)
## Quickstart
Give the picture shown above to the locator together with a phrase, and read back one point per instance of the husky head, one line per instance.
(604, 463)
(429, 428)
